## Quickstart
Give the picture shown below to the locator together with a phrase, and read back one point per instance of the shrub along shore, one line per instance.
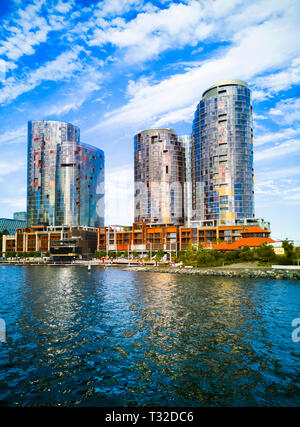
(207, 262)
(244, 272)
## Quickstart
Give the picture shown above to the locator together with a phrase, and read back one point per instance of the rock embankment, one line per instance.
(262, 273)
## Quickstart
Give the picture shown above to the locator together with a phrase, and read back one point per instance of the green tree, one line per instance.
(265, 253)
(134, 254)
(288, 250)
(205, 258)
(232, 256)
(11, 254)
(180, 254)
(159, 255)
(297, 255)
(190, 255)
(246, 254)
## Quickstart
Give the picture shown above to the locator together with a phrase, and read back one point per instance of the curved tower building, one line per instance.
(222, 154)
(65, 183)
(159, 177)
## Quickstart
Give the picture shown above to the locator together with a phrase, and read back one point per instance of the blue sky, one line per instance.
(116, 67)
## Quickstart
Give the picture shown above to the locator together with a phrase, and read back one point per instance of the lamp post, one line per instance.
(107, 242)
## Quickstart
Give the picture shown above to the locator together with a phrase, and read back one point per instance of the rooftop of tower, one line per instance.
(158, 130)
(221, 83)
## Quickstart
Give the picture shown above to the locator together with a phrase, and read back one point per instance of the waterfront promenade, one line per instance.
(245, 270)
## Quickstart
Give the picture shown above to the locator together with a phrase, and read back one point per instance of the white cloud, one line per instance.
(287, 111)
(153, 32)
(284, 133)
(16, 203)
(88, 82)
(182, 114)
(28, 28)
(135, 87)
(259, 117)
(285, 148)
(281, 80)
(61, 68)
(14, 136)
(64, 7)
(107, 8)
(246, 58)
(7, 167)
(279, 190)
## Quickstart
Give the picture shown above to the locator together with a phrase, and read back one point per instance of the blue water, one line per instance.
(117, 338)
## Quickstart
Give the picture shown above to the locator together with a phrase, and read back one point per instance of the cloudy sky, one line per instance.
(115, 67)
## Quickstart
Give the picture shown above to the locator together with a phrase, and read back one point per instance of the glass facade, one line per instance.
(222, 154)
(9, 226)
(159, 174)
(186, 141)
(21, 216)
(65, 177)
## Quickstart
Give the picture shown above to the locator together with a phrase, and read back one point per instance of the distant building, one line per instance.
(9, 226)
(65, 177)
(21, 216)
(159, 175)
(223, 154)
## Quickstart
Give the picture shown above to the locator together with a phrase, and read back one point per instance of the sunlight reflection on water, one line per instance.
(113, 337)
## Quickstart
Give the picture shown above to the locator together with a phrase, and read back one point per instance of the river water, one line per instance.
(121, 338)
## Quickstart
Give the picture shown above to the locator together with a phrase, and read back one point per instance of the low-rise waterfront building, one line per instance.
(144, 238)
(141, 238)
(45, 238)
(252, 237)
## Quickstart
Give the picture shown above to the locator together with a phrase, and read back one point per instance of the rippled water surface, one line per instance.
(116, 338)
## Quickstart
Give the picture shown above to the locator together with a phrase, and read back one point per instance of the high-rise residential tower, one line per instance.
(222, 154)
(186, 141)
(159, 177)
(65, 184)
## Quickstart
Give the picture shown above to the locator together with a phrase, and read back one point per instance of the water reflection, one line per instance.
(111, 337)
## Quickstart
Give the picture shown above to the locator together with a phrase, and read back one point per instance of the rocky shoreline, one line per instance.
(259, 272)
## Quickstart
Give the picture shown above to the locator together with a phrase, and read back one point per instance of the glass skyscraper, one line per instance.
(159, 174)
(65, 184)
(222, 154)
(186, 141)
